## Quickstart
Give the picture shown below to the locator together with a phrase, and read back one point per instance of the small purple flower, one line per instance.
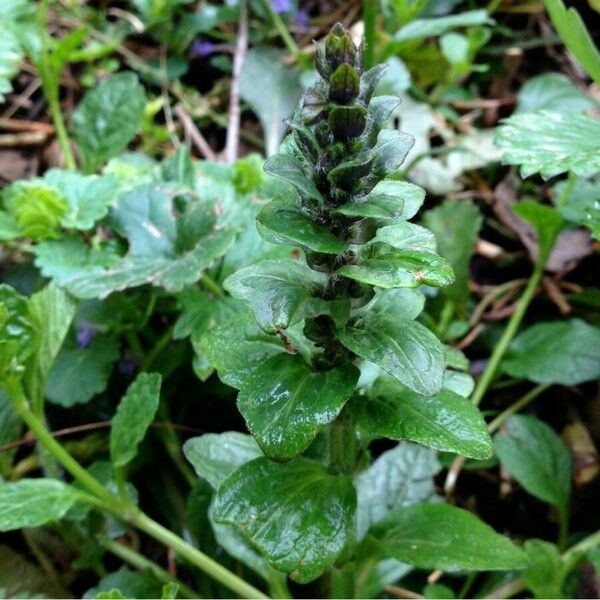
(84, 336)
(281, 6)
(302, 20)
(128, 365)
(202, 48)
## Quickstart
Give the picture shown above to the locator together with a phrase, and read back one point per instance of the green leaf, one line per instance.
(108, 118)
(554, 92)
(546, 572)
(573, 33)
(78, 374)
(283, 221)
(298, 515)
(445, 421)
(18, 334)
(52, 310)
(440, 536)
(561, 352)
(215, 456)
(537, 458)
(280, 293)
(133, 417)
(276, 96)
(399, 477)
(577, 202)
(384, 266)
(551, 143)
(125, 584)
(405, 349)
(399, 303)
(88, 197)
(285, 403)
(455, 225)
(423, 28)
(390, 151)
(546, 221)
(292, 170)
(389, 199)
(34, 502)
(164, 251)
(11, 55)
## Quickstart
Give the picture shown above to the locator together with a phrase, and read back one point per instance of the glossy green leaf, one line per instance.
(134, 415)
(297, 514)
(546, 222)
(280, 293)
(390, 151)
(108, 118)
(293, 171)
(578, 201)
(164, 250)
(34, 502)
(399, 303)
(18, 334)
(399, 477)
(405, 349)
(285, 403)
(561, 352)
(283, 221)
(445, 421)
(537, 458)
(440, 536)
(434, 26)
(554, 92)
(125, 583)
(215, 456)
(88, 197)
(406, 236)
(389, 199)
(79, 374)
(576, 37)
(386, 267)
(455, 225)
(551, 143)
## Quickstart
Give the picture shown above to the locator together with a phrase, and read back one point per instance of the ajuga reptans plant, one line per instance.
(352, 363)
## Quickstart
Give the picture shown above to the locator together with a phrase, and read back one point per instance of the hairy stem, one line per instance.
(522, 402)
(370, 21)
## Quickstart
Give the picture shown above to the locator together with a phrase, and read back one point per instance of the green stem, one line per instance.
(445, 317)
(370, 21)
(284, 34)
(509, 332)
(517, 406)
(142, 563)
(161, 344)
(59, 127)
(123, 509)
(211, 285)
(563, 527)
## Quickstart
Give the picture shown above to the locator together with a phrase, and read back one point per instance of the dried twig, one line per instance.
(25, 138)
(233, 126)
(192, 131)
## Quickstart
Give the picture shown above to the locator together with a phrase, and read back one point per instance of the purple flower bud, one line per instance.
(302, 20)
(281, 6)
(84, 336)
(201, 48)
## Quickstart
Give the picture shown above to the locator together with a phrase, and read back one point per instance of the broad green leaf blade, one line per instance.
(89, 197)
(34, 502)
(554, 92)
(537, 458)
(215, 456)
(405, 349)
(551, 143)
(547, 572)
(133, 417)
(11, 55)
(293, 171)
(423, 28)
(125, 584)
(446, 421)
(285, 403)
(399, 303)
(164, 251)
(78, 374)
(406, 236)
(574, 34)
(579, 202)
(275, 98)
(18, 333)
(455, 225)
(283, 221)
(440, 536)
(399, 477)
(52, 310)
(280, 293)
(546, 221)
(389, 199)
(108, 118)
(298, 515)
(561, 352)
